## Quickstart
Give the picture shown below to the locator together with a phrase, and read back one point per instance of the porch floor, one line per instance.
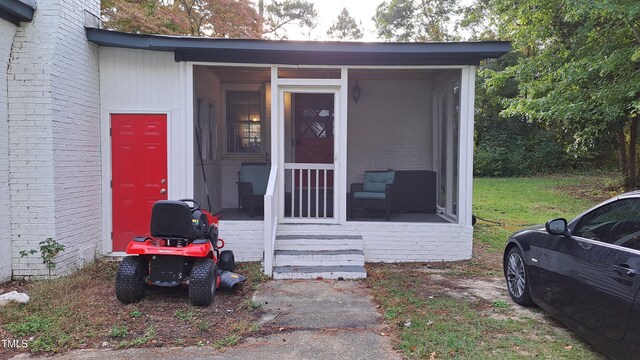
(237, 214)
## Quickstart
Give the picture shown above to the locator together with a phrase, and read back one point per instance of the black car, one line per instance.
(586, 273)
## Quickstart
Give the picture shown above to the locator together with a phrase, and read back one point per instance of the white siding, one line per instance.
(382, 241)
(54, 135)
(7, 31)
(390, 127)
(138, 81)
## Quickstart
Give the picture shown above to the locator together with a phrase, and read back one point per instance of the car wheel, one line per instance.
(202, 282)
(131, 280)
(515, 273)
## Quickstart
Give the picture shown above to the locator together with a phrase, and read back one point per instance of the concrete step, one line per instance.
(305, 256)
(346, 257)
(315, 272)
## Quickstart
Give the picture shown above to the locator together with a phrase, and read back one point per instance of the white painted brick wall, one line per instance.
(390, 127)
(76, 137)
(54, 136)
(7, 31)
(244, 238)
(399, 242)
(382, 242)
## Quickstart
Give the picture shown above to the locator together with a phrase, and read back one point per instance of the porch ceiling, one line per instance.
(304, 52)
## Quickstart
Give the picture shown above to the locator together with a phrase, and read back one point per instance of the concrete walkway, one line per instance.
(311, 319)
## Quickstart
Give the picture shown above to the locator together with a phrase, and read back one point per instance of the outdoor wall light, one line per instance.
(356, 92)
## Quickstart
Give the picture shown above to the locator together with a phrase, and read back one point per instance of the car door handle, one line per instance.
(623, 270)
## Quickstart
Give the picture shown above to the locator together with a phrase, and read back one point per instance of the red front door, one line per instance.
(314, 114)
(138, 171)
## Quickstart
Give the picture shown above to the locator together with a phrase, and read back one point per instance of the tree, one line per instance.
(345, 27)
(579, 71)
(479, 20)
(280, 14)
(234, 19)
(214, 18)
(416, 20)
(145, 16)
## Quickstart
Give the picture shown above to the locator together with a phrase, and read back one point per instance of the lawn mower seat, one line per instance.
(174, 219)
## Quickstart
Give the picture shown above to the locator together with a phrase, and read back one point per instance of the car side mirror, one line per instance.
(556, 226)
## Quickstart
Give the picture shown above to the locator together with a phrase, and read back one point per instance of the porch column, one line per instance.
(465, 143)
(341, 154)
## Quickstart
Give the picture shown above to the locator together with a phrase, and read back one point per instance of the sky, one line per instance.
(328, 10)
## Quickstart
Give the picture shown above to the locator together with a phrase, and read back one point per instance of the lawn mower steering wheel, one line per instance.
(196, 204)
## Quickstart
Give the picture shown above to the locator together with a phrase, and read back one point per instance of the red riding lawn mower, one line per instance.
(184, 250)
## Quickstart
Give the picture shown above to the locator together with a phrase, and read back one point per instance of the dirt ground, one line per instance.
(479, 281)
(81, 311)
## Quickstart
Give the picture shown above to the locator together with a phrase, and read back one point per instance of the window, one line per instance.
(244, 122)
(616, 223)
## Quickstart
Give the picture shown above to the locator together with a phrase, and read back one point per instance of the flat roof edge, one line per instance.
(303, 52)
(17, 10)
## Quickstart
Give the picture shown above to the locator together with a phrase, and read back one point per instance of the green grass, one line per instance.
(119, 331)
(434, 325)
(454, 328)
(148, 336)
(516, 203)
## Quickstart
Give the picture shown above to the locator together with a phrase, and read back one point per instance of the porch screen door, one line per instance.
(309, 160)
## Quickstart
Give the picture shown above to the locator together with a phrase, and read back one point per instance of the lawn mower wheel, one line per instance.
(227, 261)
(202, 282)
(131, 279)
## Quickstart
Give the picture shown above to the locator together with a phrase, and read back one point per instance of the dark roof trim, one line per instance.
(17, 10)
(304, 52)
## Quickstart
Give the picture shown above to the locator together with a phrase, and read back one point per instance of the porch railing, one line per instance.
(310, 190)
(270, 220)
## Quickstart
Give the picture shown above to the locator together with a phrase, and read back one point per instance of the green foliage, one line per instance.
(184, 315)
(345, 27)
(135, 314)
(203, 326)
(50, 342)
(416, 20)
(119, 331)
(500, 304)
(49, 249)
(226, 341)
(30, 325)
(513, 145)
(577, 70)
(518, 149)
(149, 335)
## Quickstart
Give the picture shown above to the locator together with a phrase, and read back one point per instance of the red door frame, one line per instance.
(133, 196)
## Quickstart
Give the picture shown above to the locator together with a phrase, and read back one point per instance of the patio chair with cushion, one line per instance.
(376, 192)
(252, 185)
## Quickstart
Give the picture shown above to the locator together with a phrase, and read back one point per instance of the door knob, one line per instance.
(163, 191)
(163, 181)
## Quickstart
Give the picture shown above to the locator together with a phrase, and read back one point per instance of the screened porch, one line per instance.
(404, 120)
